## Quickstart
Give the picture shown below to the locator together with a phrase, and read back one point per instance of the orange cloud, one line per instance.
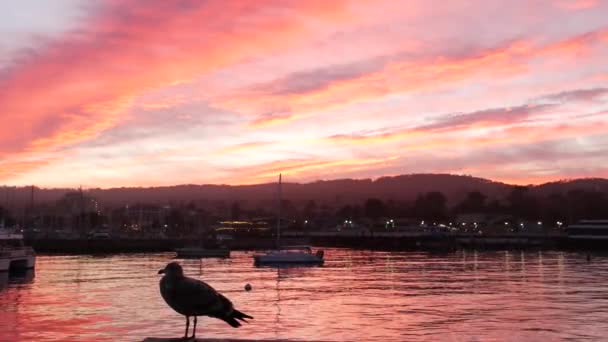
(305, 168)
(15, 168)
(75, 87)
(248, 146)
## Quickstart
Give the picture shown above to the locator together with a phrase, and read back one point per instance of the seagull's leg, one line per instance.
(187, 326)
(194, 330)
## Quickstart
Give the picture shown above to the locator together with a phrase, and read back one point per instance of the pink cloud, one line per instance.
(209, 83)
(301, 93)
(577, 4)
(71, 89)
(496, 117)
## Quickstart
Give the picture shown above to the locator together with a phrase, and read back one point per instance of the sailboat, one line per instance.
(288, 255)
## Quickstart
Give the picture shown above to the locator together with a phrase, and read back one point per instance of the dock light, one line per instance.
(559, 223)
(306, 222)
(391, 220)
(506, 223)
(540, 223)
(463, 224)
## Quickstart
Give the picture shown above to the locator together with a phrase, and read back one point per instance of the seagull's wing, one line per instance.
(197, 296)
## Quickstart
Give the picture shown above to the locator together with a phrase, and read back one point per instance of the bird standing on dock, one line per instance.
(192, 297)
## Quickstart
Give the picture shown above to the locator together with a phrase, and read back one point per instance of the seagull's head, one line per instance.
(173, 269)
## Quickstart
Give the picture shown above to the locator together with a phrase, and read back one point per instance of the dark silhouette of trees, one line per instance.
(475, 202)
(522, 204)
(555, 208)
(585, 204)
(345, 213)
(6, 218)
(374, 208)
(310, 210)
(431, 206)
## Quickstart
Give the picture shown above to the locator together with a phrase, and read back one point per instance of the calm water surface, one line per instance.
(357, 295)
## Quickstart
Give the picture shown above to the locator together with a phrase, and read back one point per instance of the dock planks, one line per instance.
(156, 339)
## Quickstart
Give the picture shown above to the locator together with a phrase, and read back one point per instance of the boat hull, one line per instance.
(18, 262)
(195, 253)
(287, 259)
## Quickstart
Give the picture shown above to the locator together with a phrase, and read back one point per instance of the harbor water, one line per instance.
(356, 296)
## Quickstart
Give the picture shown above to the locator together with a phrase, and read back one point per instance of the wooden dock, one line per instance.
(157, 339)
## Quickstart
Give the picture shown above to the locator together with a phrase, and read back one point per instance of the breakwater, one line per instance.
(358, 240)
(375, 241)
(114, 245)
(433, 241)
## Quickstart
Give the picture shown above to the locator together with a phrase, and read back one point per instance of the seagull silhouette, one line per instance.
(192, 297)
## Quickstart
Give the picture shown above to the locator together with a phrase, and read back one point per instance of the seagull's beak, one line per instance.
(161, 271)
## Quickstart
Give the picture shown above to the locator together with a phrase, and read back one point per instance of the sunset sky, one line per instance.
(157, 92)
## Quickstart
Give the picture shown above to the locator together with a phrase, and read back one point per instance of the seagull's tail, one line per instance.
(235, 317)
(240, 316)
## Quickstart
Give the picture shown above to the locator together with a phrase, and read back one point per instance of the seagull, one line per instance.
(192, 297)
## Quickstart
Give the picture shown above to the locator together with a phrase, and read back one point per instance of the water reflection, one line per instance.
(16, 277)
(356, 295)
(3, 280)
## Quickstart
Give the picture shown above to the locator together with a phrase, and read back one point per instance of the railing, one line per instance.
(17, 251)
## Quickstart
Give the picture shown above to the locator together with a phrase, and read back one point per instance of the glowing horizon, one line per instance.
(156, 93)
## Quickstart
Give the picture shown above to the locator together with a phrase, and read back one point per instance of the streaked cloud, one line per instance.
(245, 89)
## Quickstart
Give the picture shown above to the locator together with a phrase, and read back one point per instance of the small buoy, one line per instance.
(248, 287)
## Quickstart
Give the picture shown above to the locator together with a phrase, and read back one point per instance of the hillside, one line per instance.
(340, 191)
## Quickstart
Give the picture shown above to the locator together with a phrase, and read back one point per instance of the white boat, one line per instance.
(288, 255)
(13, 253)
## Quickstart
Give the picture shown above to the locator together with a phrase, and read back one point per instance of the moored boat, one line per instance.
(288, 255)
(13, 252)
(201, 252)
(588, 230)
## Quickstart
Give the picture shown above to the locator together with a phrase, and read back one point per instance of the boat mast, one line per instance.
(279, 215)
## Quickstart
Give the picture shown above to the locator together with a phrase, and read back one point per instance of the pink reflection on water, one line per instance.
(357, 295)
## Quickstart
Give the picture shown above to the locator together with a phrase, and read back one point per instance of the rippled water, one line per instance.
(357, 295)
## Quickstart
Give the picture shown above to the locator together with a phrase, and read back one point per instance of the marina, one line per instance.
(303, 170)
